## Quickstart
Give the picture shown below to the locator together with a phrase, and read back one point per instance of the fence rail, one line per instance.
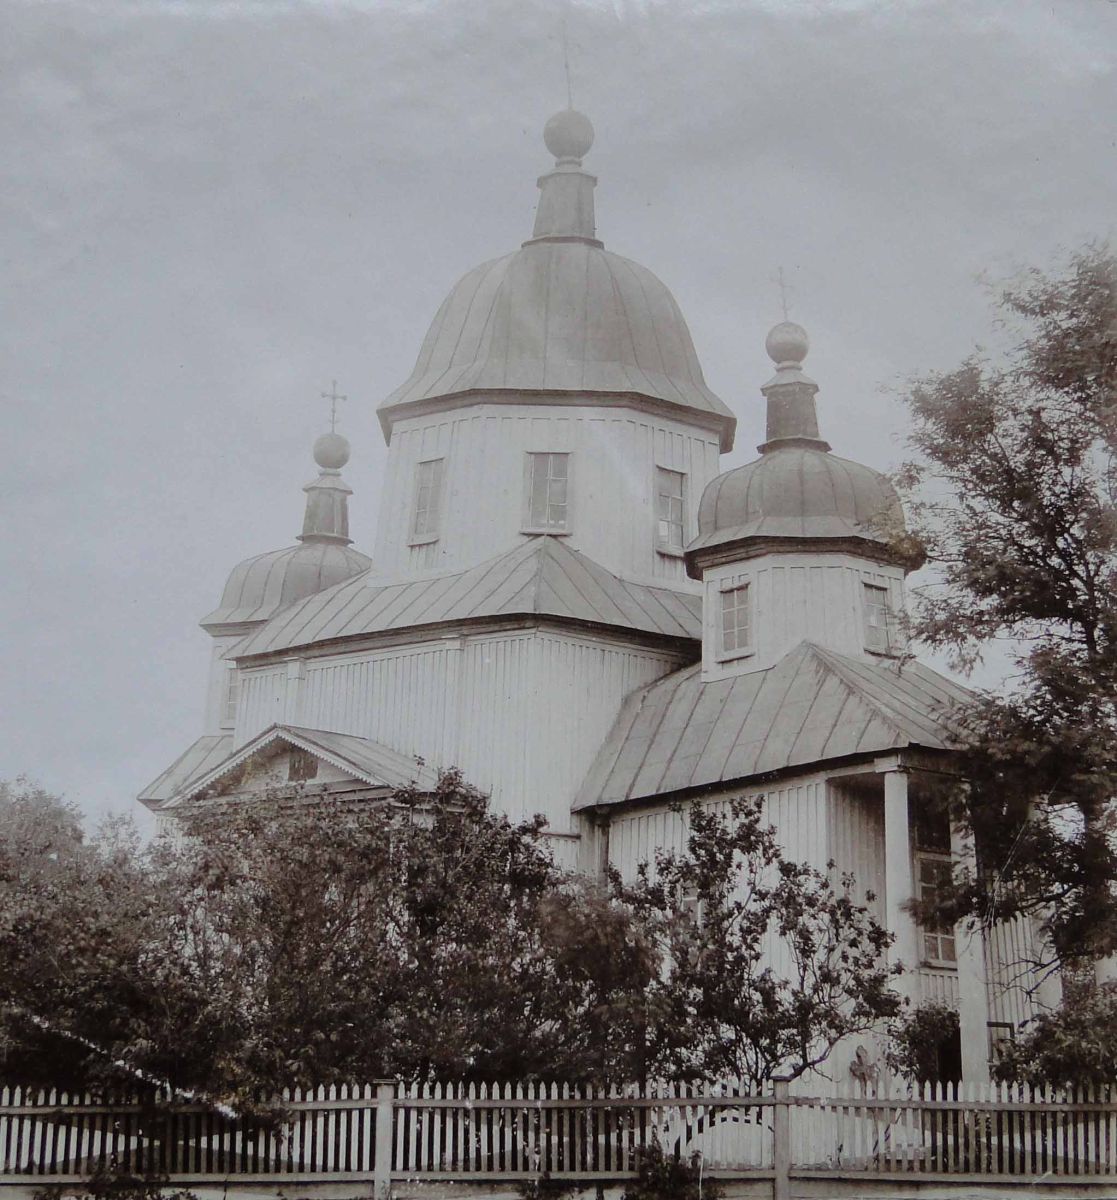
(386, 1131)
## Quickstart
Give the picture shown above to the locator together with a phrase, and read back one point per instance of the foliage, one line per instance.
(1077, 1043)
(916, 1037)
(295, 942)
(767, 962)
(75, 915)
(663, 1177)
(1014, 493)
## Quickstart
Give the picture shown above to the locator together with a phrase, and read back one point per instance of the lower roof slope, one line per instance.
(541, 576)
(813, 705)
(202, 756)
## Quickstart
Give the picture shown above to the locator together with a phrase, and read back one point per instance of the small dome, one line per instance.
(259, 587)
(799, 492)
(568, 135)
(331, 451)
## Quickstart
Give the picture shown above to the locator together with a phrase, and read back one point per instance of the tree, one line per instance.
(1075, 1044)
(299, 941)
(767, 962)
(74, 919)
(1014, 494)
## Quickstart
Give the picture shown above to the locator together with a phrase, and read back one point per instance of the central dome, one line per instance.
(561, 319)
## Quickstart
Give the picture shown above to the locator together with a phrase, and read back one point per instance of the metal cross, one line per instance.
(333, 397)
(784, 289)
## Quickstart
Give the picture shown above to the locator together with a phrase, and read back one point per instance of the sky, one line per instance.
(211, 209)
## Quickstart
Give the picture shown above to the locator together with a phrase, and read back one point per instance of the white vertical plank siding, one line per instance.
(1008, 951)
(798, 810)
(796, 598)
(612, 491)
(520, 713)
(857, 841)
(262, 701)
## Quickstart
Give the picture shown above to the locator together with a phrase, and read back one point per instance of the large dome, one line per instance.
(259, 587)
(799, 492)
(561, 315)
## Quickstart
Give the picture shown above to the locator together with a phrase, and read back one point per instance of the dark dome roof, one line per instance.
(259, 587)
(798, 492)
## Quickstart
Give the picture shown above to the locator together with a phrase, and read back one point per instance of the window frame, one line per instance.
(662, 545)
(928, 959)
(527, 525)
(890, 648)
(230, 697)
(749, 648)
(426, 537)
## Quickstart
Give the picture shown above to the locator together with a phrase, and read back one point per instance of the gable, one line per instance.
(285, 756)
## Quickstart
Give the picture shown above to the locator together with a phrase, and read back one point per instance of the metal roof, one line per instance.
(541, 576)
(199, 758)
(561, 316)
(371, 762)
(262, 586)
(813, 705)
(798, 492)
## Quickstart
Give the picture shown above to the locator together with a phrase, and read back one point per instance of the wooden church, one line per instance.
(569, 602)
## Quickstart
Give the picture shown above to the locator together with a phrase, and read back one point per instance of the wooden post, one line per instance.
(899, 880)
(383, 1140)
(973, 993)
(781, 1140)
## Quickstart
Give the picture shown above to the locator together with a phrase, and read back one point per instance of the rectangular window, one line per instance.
(933, 881)
(736, 622)
(301, 766)
(878, 619)
(1001, 1036)
(548, 478)
(427, 514)
(670, 525)
(229, 699)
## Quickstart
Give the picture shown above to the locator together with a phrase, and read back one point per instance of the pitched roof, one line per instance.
(813, 705)
(371, 762)
(541, 576)
(199, 758)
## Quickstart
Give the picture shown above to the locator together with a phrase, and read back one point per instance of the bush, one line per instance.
(917, 1038)
(1075, 1044)
(659, 1177)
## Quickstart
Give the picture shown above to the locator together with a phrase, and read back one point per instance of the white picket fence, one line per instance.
(386, 1131)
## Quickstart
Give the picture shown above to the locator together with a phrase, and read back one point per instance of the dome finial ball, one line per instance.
(787, 342)
(331, 451)
(568, 134)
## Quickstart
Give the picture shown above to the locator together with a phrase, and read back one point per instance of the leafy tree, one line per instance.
(74, 920)
(1013, 493)
(291, 942)
(1076, 1044)
(297, 942)
(767, 962)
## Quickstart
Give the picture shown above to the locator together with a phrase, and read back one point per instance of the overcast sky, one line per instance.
(210, 210)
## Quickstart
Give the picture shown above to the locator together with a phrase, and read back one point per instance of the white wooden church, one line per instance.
(568, 601)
